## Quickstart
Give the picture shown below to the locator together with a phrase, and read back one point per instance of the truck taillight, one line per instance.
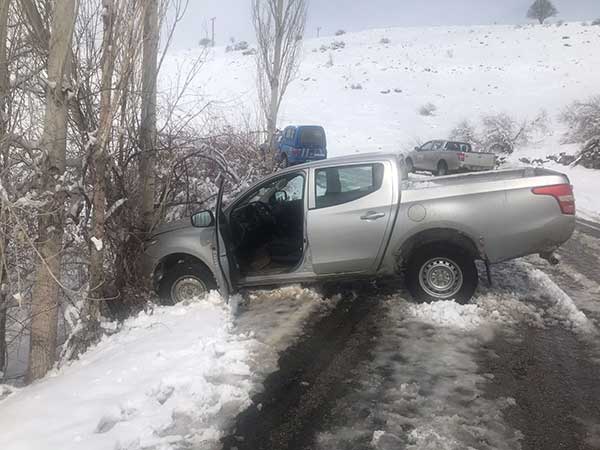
(461, 156)
(563, 193)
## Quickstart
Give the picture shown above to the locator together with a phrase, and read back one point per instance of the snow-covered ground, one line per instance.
(169, 378)
(424, 389)
(466, 72)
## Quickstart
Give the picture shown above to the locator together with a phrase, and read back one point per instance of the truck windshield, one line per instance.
(312, 137)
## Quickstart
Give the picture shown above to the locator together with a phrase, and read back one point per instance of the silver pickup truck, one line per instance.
(444, 157)
(363, 216)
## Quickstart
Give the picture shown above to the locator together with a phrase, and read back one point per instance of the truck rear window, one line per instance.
(312, 137)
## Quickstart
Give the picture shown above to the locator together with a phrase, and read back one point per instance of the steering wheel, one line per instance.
(263, 212)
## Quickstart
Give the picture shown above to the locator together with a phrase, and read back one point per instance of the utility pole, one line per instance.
(213, 30)
(318, 31)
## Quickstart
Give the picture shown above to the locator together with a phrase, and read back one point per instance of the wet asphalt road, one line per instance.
(552, 374)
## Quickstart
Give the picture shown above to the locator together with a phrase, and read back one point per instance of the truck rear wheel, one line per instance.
(185, 281)
(442, 169)
(442, 272)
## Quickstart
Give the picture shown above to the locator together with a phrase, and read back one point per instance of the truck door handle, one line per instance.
(372, 215)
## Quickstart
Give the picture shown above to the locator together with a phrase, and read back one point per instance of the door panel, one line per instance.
(225, 260)
(352, 211)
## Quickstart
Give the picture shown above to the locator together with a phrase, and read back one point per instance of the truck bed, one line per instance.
(471, 179)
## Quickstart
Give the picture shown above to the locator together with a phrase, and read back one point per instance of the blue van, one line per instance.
(300, 144)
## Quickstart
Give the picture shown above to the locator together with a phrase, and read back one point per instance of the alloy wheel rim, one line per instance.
(441, 278)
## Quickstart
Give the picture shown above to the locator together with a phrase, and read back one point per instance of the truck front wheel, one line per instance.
(442, 272)
(185, 281)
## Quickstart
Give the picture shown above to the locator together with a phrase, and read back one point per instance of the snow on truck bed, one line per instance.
(368, 94)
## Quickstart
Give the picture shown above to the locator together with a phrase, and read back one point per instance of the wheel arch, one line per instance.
(167, 262)
(437, 236)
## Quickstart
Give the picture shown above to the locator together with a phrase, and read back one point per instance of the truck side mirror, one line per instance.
(203, 219)
(417, 149)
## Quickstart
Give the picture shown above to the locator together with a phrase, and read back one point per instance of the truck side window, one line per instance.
(339, 185)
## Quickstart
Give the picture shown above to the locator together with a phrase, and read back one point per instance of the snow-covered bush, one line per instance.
(340, 32)
(596, 21)
(337, 45)
(428, 109)
(501, 133)
(240, 46)
(237, 46)
(465, 131)
(583, 120)
(356, 86)
(589, 156)
(385, 41)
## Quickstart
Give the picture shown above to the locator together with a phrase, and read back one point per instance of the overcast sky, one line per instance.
(233, 16)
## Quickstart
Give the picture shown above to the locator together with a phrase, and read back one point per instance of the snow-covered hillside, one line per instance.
(466, 72)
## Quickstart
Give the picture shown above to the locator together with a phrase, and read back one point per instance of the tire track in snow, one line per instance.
(312, 374)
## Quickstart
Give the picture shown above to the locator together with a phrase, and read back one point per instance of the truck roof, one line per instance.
(358, 158)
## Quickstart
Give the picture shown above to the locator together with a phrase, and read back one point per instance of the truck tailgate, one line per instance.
(482, 160)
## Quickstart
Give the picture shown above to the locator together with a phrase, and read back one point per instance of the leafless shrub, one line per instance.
(501, 133)
(385, 41)
(583, 120)
(589, 156)
(464, 131)
(596, 22)
(340, 32)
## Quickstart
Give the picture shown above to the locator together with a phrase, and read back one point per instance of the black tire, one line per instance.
(442, 169)
(445, 258)
(179, 272)
(410, 166)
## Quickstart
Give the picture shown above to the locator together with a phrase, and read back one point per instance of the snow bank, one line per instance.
(171, 377)
(170, 374)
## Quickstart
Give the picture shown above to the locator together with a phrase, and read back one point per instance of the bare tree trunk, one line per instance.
(91, 313)
(279, 26)
(4, 86)
(148, 118)
(274, 79)
(44, 308)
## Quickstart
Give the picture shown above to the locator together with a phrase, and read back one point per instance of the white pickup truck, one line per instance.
(444, 157)
(363, 216)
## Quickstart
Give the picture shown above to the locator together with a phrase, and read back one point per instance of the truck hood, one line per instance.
(172, 226)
